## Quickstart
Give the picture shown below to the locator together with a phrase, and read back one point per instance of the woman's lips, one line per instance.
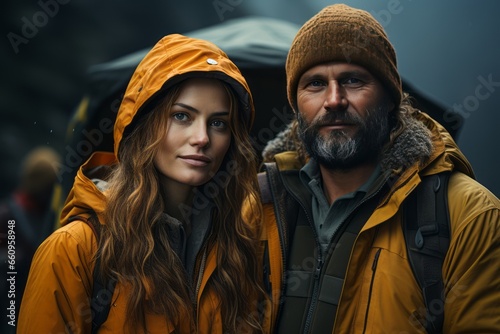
(196, 160)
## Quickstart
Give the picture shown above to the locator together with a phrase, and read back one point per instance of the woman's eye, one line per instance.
(180, 116)
(219, 124)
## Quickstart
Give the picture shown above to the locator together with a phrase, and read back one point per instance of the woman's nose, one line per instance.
(199, 135)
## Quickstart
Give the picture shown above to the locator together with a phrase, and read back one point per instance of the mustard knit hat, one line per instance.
(342, 33)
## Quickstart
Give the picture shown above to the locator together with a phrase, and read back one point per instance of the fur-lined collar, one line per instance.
(412, 146)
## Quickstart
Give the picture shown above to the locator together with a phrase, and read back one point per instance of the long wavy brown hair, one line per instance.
(135, 248)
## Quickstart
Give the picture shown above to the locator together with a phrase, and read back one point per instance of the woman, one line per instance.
(169, 201)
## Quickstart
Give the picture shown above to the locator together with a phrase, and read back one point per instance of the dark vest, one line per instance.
(313, 280)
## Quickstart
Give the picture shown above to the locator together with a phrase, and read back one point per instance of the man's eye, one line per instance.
(315, 83)
(352, 81)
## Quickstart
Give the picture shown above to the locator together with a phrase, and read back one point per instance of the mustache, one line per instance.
(331, 118)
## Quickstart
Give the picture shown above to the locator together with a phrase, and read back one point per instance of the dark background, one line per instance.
(446, 49)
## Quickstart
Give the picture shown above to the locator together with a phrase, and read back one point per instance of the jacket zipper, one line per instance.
(374, 268)
(317, 271)
(199, 280)
(201, 269)
(319, 266)
(314, 298)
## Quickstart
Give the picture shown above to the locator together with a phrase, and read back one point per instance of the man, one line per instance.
(337, 257)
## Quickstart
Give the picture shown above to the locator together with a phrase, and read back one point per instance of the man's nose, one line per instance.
(335, 98)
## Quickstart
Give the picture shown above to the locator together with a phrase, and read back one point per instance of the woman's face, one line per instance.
(198, 135)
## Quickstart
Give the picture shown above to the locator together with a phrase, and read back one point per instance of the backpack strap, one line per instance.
(427, 234)
(273, 190)
(102, 288)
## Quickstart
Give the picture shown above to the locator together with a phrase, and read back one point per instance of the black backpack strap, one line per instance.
(273, 191)
(265, 189)
(426, 226)
(285, 207)
(102, 288)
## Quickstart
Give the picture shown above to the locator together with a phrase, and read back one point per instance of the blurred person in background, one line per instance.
(24, 212)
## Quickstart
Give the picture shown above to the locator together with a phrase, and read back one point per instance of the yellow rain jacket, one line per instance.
(57, 296)
(380, 293)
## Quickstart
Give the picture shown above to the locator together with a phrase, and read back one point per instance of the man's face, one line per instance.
(343, 115)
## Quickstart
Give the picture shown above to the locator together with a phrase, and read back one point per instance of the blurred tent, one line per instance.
(257, 45)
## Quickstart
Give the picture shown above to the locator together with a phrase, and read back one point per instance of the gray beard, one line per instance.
(338, 151)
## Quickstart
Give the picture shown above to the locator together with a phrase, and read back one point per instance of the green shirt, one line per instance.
(328, 218)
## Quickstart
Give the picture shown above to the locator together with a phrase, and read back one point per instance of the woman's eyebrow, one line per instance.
(190, 108)
(185, 106)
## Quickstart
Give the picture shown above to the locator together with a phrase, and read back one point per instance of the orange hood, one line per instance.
(173, 59)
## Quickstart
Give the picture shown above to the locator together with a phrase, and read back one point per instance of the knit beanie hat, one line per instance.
(342, 33)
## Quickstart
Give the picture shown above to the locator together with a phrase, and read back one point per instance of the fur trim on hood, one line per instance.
(413, 145)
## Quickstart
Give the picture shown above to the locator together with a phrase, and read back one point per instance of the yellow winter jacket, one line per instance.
(380, 293)
(57, 295)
